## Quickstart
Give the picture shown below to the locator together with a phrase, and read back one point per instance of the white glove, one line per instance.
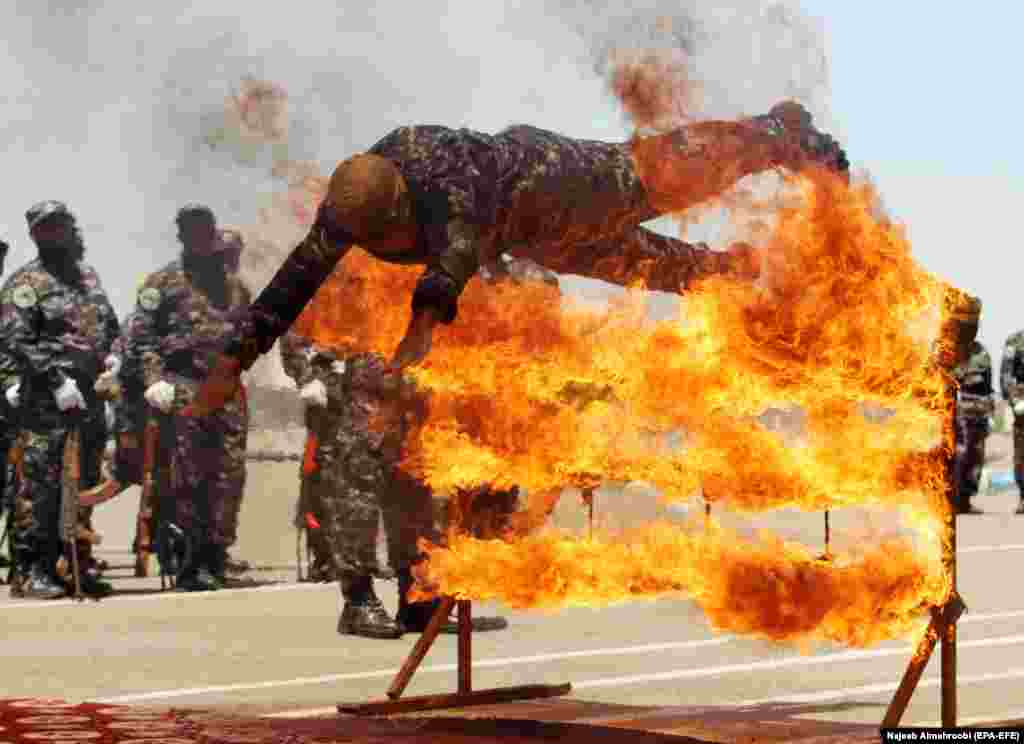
(113, 364)
(338, 367)
(13, 395)
(314, 393)
(160, 395)
(1018, 407)
(68, 396)
(108, 415)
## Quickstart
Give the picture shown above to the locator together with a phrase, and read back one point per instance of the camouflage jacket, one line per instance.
(52, 330)
(1011, 369)
(974, 378)
(176, 328)
(573, 206)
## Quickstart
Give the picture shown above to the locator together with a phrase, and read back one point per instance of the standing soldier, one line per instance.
(185, 313)
(1011, 382)
(975, 404)
(57, 326)
(358, 417)
(5, 436)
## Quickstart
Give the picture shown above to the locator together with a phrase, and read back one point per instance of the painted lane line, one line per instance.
(770, 664)
(876, 689)
(483, 663)
(694, 673)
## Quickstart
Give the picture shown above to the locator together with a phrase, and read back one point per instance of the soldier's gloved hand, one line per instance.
(13, 395)
(112, 364)
(108, 415)
(160, 395)
(68, 396)
(314, 393)
(1018, 407)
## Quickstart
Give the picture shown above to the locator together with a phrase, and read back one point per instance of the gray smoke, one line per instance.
(113, 105)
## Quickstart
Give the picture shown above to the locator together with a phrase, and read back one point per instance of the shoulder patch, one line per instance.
(149, 298)
(24, 296)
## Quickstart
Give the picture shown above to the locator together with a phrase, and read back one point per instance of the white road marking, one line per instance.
(696, 673)
(877, 689)
(481, 664)
(769, 664)
(990, 548)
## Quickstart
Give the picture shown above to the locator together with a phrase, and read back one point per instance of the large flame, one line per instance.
(526, 388)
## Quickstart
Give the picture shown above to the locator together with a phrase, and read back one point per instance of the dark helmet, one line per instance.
(44, 210)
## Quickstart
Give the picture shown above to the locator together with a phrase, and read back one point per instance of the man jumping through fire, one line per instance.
(456, 199)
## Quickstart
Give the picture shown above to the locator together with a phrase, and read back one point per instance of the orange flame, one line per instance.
(528, 389)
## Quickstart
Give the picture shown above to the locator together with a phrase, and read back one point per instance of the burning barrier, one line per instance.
(526, 388)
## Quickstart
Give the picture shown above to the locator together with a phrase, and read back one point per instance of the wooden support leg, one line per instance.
(465, 646)
(419, 651)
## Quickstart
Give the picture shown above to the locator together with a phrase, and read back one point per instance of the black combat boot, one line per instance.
(414, 616)
(1020, 507)
(364, 615)
(40, 583)
(194, 574)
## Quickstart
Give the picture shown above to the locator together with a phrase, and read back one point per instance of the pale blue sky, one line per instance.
(928, 98)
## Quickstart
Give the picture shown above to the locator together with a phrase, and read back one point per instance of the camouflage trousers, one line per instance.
(208, 468)
(969, 458)
(354, 489)
(129, 423)
(37, 495)
(1018, 453)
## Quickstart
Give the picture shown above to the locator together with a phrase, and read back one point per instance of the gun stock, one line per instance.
(144, 519)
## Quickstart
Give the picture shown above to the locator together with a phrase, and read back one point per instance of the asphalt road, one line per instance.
(273, 649)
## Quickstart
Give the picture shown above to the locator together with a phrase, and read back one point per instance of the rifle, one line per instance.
(144, 519)
(71, 473)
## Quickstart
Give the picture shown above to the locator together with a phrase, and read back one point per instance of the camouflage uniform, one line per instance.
(1011, 382)
(974, 406)
(360, 435)
(572, 206)
(53, 329)
(179, 325)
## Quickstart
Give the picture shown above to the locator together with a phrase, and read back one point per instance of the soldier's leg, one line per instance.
(973, 461)
(93, 443)
(195, 457)
(37, 512)
(227, 486)
(1018, 459)
(416, 515)
(347, 485)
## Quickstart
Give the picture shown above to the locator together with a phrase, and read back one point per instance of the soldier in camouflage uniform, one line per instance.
(975, 403)
(456, 199)
(5, 431)
(1011, 382)
(57, 326)
(184, 314)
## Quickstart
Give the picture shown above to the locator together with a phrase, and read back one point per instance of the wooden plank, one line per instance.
(455, 700)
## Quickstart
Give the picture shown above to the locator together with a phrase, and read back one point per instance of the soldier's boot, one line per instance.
(414, 616)
(39, 583)
(227, 575)
(194, 574)
(90, 573)
(363, 614)
(1020, 507)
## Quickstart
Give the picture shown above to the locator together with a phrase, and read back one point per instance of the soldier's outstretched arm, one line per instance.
(274, 311)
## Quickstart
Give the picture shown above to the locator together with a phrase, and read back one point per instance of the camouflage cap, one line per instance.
(367, 197)
(44, 210)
